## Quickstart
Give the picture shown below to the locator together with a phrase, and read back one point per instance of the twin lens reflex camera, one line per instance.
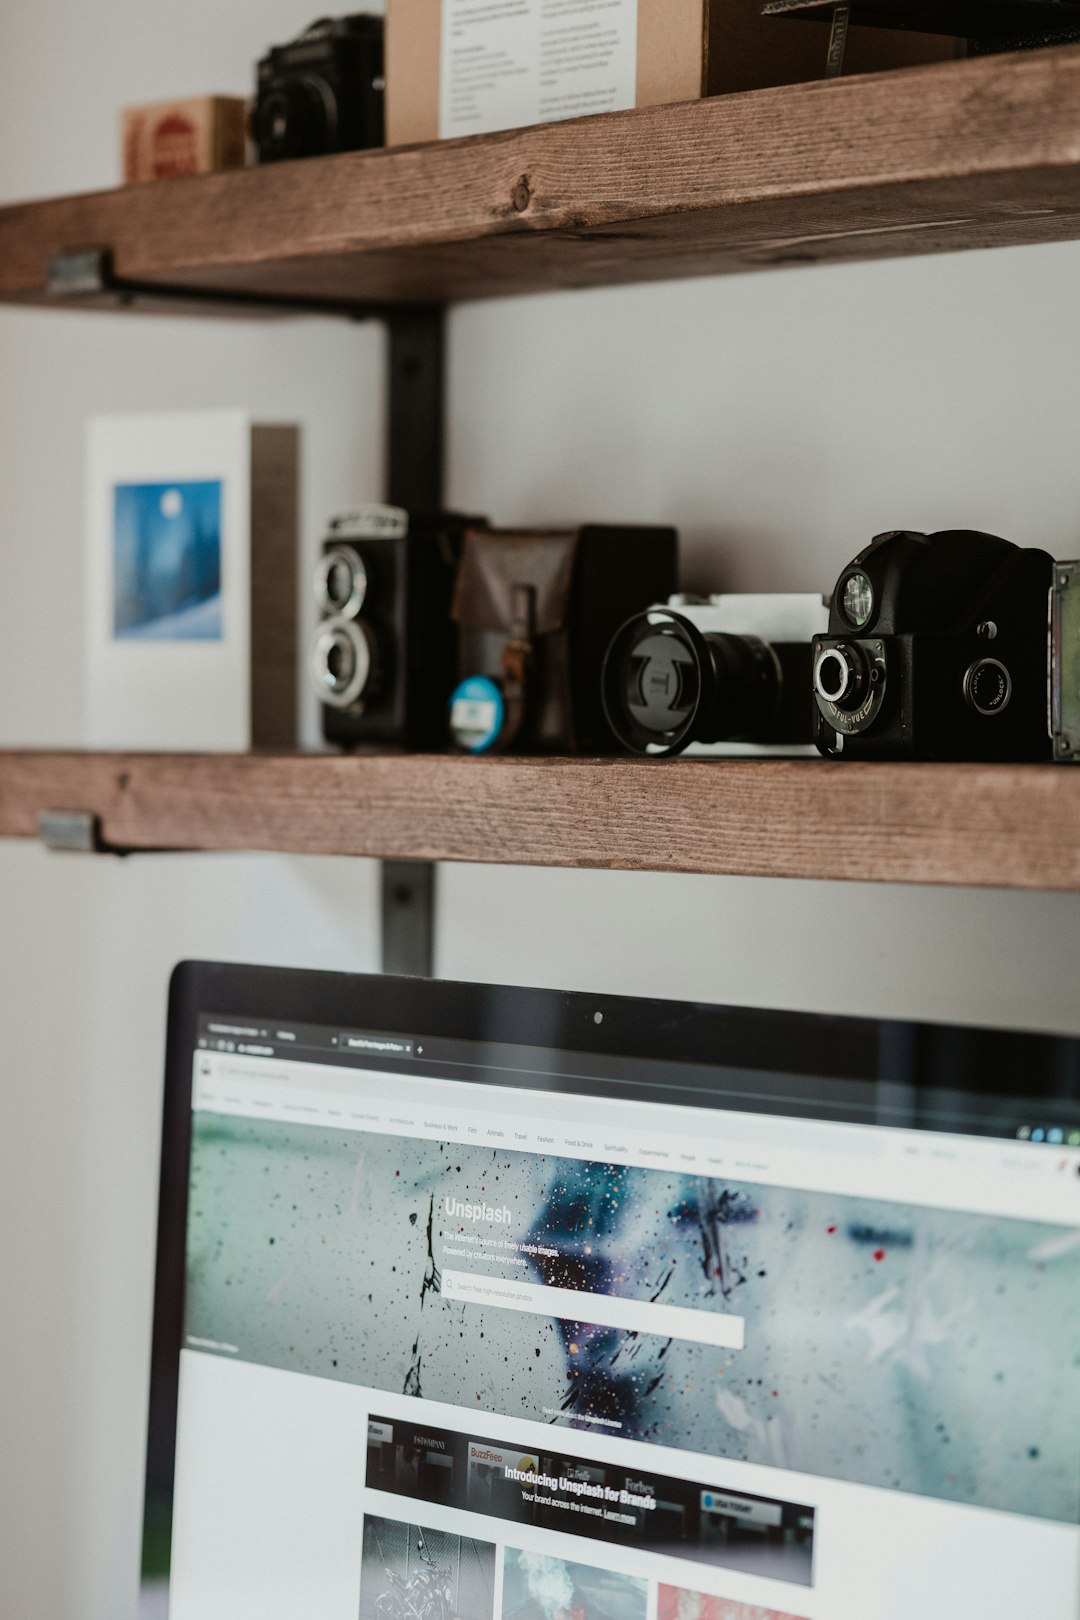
(383, 660)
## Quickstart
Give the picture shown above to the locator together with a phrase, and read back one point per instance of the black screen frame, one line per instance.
(934, 1059)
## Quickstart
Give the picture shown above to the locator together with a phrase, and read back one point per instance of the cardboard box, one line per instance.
(453, 68)
(193, 136)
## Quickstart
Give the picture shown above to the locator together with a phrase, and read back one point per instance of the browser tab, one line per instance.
(374, 1045)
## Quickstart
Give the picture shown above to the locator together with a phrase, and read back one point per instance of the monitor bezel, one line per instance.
(943, 1056)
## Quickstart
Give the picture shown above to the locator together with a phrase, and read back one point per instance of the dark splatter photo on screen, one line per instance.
(926, 1350)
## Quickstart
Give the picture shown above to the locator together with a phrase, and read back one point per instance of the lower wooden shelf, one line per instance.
(1001, 826)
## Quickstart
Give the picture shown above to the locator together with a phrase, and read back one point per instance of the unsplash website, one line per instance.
(461, 1351)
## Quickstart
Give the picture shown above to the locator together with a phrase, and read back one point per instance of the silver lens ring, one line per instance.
(327, 565)
(822, 667)
(341, 662)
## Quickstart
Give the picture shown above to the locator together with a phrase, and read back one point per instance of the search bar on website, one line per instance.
(601, 1310)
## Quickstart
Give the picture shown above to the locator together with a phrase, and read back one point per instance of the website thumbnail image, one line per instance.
(605, 1502)
(413, 1572)
(904, 1347)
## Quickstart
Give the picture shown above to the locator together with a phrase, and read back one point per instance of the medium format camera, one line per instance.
(951, 646)
(383, 658)
(323, 93)
(535, 609)
(715, 675)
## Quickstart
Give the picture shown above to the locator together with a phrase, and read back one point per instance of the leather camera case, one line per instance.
(536, 609)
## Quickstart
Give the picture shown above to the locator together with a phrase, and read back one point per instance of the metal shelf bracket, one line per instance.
(89, 277)
(75, 831)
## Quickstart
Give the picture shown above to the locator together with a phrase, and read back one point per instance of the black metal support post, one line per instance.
(414, 440)
(414, 479)
(408, 917)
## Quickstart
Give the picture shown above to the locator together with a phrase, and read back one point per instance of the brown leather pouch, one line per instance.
(535, 611)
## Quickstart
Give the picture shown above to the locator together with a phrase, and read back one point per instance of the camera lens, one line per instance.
(274, 121)
(342, 662)
(988, 686)
(341, 582)
(840, 676)
(665, 685)
(295, 118)
(857, 600)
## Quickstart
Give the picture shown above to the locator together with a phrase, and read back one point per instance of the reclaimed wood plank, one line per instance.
(985, 825)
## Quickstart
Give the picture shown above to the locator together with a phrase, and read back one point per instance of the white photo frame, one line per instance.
(189, 517)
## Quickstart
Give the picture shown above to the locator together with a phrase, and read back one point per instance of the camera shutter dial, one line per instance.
(343, 662)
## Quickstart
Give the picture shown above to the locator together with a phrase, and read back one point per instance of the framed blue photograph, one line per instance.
(176, 658)
(167, 561)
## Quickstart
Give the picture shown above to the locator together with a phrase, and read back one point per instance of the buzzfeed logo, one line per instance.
(475, 1212)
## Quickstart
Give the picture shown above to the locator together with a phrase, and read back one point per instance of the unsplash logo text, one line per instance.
(475, 1212)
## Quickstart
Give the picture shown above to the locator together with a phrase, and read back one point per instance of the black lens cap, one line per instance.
(652, 681)
(662, 682)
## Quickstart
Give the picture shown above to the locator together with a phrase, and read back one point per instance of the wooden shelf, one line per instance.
(987, 825)
(959, 154)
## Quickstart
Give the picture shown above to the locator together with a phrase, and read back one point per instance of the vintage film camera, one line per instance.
(715, 675)
(951, 646)
(383, 658)
(535, 609)
(323, 93)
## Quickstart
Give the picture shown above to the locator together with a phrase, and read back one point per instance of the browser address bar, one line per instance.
(601, 1310)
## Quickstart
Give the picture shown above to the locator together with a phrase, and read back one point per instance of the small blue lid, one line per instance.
(476, 713)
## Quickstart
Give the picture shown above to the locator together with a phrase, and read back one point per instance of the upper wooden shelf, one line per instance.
(960, 154)
(990, 825)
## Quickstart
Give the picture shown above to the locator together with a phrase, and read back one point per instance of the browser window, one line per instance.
(527, 1350)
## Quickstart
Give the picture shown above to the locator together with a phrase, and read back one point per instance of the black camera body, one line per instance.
(321, 93)
(715, 675)
(383, 661)
(938, 648)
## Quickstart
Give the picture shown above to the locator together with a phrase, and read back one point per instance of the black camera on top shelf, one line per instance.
(323, 93)
(951, 646)
(383, 661)
(715, 675)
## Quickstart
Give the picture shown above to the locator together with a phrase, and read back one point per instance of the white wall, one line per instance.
(779, 420)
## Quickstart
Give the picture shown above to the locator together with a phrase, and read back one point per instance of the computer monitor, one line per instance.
(498, 1304)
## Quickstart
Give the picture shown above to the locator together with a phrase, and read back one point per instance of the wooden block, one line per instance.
(275, 523)
(169, 139)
